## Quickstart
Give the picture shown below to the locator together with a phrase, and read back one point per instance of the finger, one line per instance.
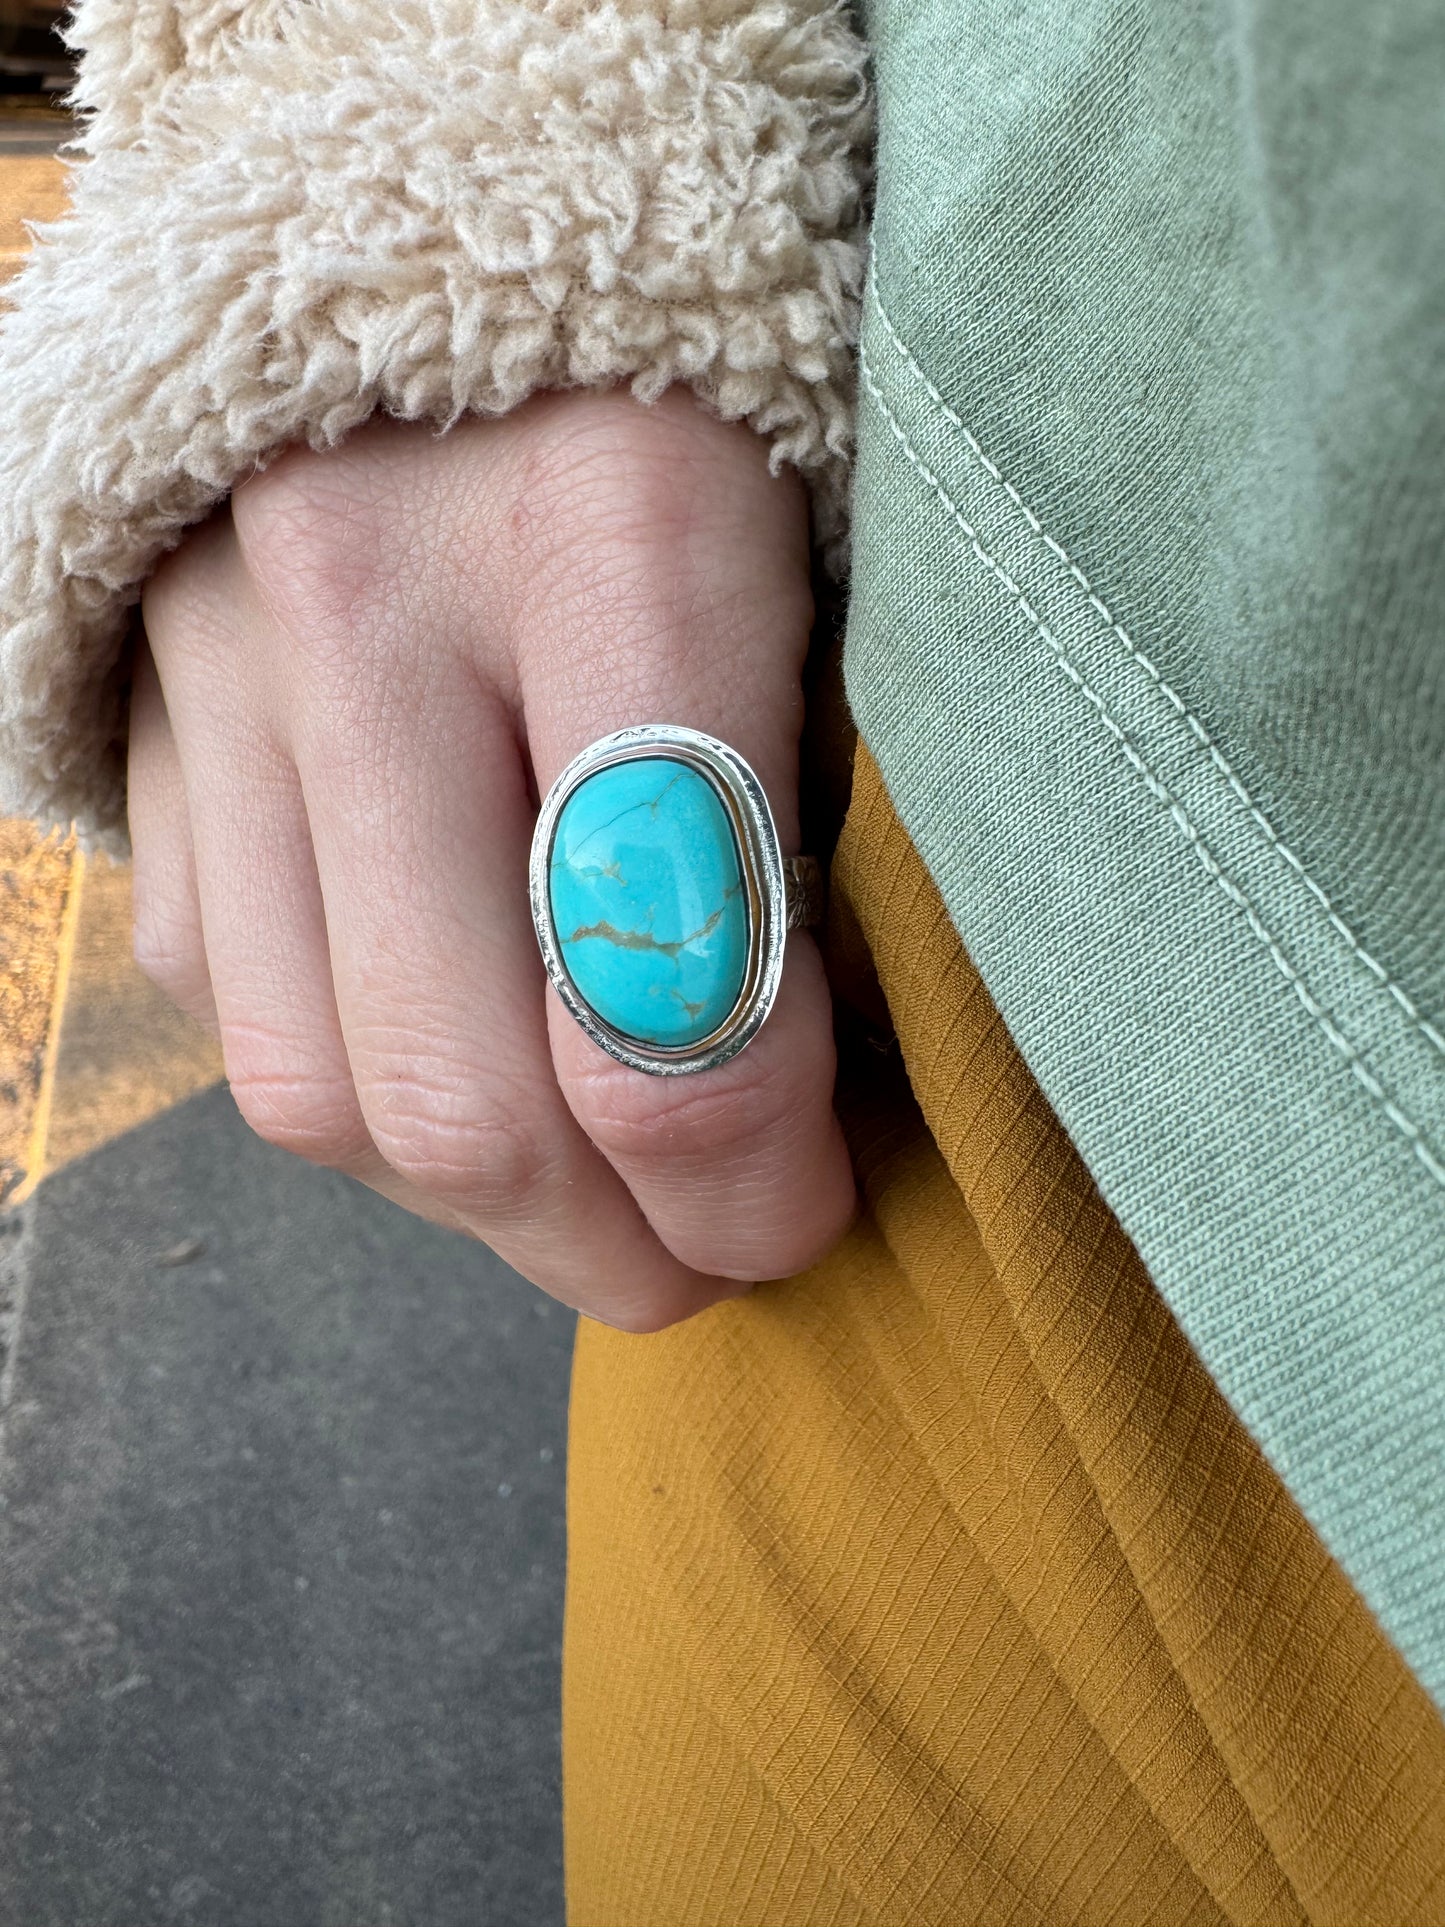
(285, 1055)
(421, 849)
(166, 905)
(256, 892)
(742, 1169)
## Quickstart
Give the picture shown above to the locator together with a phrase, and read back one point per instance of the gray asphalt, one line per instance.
(281, 1552)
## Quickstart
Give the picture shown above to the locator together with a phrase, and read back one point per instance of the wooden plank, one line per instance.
(123, 1052)
(32, 188)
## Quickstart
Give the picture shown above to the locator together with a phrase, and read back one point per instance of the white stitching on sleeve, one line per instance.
(1196, 728)
(1398, 1118)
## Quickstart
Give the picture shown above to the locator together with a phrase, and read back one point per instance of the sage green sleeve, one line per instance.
(1146, 638)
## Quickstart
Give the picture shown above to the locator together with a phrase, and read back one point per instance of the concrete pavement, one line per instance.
(281, 1552)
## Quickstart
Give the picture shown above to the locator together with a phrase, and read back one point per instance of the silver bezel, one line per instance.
(756, 836)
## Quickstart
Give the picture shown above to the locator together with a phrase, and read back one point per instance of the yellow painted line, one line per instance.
(45, 1095)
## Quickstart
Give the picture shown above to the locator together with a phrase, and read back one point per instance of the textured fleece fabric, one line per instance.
(294, 214)
(1146, 637)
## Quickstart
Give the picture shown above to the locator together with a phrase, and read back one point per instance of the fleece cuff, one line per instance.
(290, 214)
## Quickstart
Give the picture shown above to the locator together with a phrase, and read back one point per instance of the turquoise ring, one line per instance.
(661, 898)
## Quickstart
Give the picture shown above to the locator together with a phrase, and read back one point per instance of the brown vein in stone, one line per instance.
(643, 939)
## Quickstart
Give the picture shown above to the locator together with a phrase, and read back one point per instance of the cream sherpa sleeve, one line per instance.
(291, 213)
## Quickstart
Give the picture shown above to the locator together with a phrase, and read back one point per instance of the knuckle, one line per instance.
(178, 971)
(715, 1117)
(622, 474)
(315, 538)
(483, 1154)
(313, 1115)
(618, 520)
(169, 952)
(166, 950)
(605, 476)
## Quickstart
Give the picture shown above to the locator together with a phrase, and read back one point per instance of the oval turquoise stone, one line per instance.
(648, 900)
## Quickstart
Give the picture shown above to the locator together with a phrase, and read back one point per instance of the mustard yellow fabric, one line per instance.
(938, 1587)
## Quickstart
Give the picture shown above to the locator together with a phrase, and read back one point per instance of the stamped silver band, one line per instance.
(803, 882)
(781, 893)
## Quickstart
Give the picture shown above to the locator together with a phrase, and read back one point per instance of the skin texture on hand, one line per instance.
(360, 678)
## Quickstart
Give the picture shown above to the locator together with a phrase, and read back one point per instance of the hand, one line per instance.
(361, 676)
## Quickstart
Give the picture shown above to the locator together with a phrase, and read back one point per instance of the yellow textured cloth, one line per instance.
(939, 1585)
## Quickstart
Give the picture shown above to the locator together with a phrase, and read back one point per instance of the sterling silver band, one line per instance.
(803, 886)
(783, 893)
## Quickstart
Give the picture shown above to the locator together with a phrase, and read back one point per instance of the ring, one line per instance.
(661, 897)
